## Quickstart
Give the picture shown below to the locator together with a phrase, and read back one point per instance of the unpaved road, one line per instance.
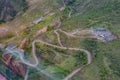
(89, 57)
(66, 33)
(20, 54)
(73, 73)
(58, 38)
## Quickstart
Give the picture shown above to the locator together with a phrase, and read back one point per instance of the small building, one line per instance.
(38, 20)
(104, 34)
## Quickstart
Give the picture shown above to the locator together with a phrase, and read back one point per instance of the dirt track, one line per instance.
(89, 57)
(58, 37)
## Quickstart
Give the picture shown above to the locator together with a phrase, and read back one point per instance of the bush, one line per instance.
(81, 58)
(90, 45)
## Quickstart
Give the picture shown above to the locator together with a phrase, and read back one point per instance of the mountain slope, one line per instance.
(9, 8)
(91, 13)
(63, 19)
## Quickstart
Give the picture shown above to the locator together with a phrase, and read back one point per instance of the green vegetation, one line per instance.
(6, 36)
(103, 73)
(20, 5)
(86, 14)
(91, 45)
(1, 21)
(33, 74)
(94, 14)
(113, 55)
(81, 58)
(69, 63)
(97, 13)
(50, 28)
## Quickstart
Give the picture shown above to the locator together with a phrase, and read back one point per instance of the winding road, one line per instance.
(21, 56)
(89, 57)
(58, 38)
(68, 34)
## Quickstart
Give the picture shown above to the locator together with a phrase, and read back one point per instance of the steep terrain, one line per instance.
(9, 9)
(62, 44)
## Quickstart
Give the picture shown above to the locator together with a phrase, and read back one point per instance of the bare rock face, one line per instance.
(8, 9)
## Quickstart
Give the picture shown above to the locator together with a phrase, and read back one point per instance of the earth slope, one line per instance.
(9, 9)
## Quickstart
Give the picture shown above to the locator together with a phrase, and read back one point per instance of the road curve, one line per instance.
(89, 57)
(58, 38)
(21, 55)
(66, 33)
(73, 73)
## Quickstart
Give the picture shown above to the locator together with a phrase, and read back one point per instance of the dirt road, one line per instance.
(89, 57)
(58, 38)
(73, 73)
(66, 33)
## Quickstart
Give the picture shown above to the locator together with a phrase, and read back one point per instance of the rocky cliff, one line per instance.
(9, 9)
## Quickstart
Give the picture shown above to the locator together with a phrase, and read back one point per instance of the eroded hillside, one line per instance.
(9, 9)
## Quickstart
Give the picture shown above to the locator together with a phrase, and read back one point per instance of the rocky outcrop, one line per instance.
(15, 66)
(9, 9)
